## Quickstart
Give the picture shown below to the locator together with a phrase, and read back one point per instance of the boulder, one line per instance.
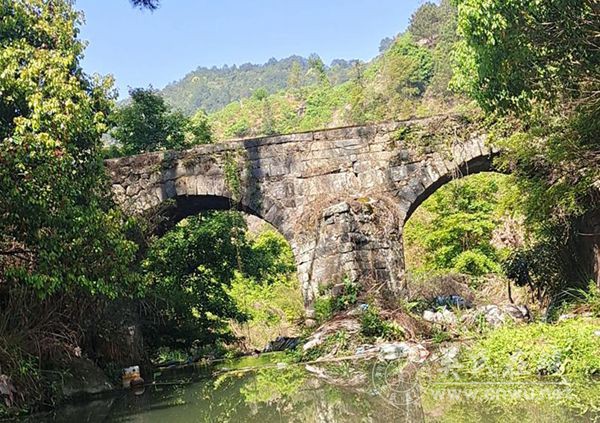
(413, 352)
(441, 317)
(498, 315)
(85, 378)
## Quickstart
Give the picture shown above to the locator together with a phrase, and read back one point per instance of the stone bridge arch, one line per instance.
(339, 196)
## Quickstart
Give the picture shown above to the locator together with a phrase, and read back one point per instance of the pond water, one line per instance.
(266, 390)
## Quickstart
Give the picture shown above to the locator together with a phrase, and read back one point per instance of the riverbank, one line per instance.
(378, 388)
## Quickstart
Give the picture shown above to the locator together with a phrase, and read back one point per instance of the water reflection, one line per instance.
(347, 391)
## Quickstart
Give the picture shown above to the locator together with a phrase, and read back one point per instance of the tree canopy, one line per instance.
(147, 124)
(57, 224)
(536, 64)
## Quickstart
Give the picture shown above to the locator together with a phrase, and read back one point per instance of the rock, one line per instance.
(492, 314)
(442, 317)
(393, 351)
(415, 353)
(85, 378)
(447, 356)
(339, 208)
(366, 350)
(498, 315)
(282, 343)
(517, 312)
(568, 316)
(337, 290)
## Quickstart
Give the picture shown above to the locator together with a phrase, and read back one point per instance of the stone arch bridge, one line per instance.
(340, 196)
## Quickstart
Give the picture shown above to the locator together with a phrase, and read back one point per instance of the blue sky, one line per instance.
(141, 48)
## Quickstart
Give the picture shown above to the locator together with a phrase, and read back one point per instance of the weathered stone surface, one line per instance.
(340, 196)
(84, 378)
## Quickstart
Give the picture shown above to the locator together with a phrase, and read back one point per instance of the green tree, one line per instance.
(63, 250)
(188, 271)
(148, 124)
(407, 68)
(198, 130)
(318, 68)
(57, 224)
(295, 76)
(453, 229)
(534, 67)
(517, 53)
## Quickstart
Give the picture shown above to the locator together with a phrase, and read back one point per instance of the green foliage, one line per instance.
(268, 292)
(233, 180)
(373, 326)
(452, 230)
(211, 282)
(165, 354)
(58, 228)
(198, 130)
(270, 258)
(336, 344)
(316, 65)
(569, 349)
(544, 266)
(63, 245)
(349, 295)
(188, 271)
(212, 89)
(535, 63)
(295, 76)
(260, 94)
(518, 51)
(324, 308)
(147, 124)
(327, 304)
(591, 298)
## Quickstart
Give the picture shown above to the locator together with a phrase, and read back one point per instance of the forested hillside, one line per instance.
(409, 78)
(211, 89)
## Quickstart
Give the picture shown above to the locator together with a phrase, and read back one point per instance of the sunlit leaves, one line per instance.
(55, 202)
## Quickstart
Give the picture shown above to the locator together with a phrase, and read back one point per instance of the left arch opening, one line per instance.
(180, 207)
(221, 277)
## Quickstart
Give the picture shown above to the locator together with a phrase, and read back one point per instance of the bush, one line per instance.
(570, 348)
(324, 308)
(373, 326)
(348, 297)
(476, 263)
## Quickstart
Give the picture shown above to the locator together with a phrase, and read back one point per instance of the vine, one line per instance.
(233, 179)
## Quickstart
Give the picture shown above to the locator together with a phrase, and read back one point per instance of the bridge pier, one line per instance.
(360, 240)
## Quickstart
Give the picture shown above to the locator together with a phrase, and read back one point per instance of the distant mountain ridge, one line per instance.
(211, 89)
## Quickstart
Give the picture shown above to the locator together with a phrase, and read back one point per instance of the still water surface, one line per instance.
(263, 390)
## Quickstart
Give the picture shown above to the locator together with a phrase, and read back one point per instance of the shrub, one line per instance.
(348, 297)
(373, 326)
(570, 348)
(324, 308)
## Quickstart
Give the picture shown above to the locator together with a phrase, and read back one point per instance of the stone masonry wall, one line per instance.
(339, 196)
